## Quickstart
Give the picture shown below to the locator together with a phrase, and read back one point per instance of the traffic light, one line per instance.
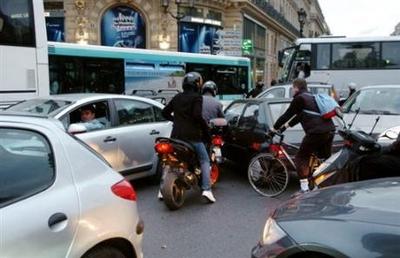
(247, 46)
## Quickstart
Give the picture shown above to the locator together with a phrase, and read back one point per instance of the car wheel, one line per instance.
(105, 252)
(156, 178)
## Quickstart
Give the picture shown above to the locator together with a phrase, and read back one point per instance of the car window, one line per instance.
(274, 93)
(250, 116)
(233, 113)
(385, 101)
(320, 90)
(158, 114)
(101, 116)
(27, 164)
(277, 109)
(41, 106)
(132, 112)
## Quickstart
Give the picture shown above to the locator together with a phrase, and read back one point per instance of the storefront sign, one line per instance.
(55, 29)
(123, 26)
(232, 42)
(200, 38)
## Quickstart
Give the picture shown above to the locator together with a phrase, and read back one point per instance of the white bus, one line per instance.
(340, 61)
(24, 71)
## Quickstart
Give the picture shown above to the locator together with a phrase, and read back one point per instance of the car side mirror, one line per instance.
(76, 128)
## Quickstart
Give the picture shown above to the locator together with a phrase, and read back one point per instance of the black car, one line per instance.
(248, 122)
(350, 220)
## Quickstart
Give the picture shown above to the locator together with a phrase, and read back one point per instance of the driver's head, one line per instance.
(88, 113)
(299, 85)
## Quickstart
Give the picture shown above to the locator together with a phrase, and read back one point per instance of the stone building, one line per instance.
(267, 25)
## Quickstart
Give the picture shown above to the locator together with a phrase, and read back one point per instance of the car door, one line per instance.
(251, 129)
(233, 112)
(136, 129)
(104, 141)
(39, 206)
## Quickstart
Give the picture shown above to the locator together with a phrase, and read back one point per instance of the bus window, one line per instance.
(355, 55)
(322, 56)
(16, 23)
(391, 54)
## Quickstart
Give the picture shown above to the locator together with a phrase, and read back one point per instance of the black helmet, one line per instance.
(209, 86)
(192, 81)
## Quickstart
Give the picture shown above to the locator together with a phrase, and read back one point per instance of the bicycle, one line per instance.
(268, 172)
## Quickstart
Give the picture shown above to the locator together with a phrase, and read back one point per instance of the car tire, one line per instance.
(156, 178)
(105, 252)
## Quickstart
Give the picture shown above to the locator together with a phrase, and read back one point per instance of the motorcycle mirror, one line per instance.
(391, 134)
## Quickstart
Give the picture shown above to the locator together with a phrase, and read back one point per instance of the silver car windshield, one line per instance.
(41, 106)
(377, 101)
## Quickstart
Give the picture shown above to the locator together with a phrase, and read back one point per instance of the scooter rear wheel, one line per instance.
(173, 193)
(268, 175)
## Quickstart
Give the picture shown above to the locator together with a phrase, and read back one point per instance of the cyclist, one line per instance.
(190, 126)
(212, 108)
(319, 131)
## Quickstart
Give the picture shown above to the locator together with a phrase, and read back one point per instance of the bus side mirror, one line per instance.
(280, 57)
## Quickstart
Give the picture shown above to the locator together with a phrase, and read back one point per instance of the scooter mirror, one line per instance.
(391, 134)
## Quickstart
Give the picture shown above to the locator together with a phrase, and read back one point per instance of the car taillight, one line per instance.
(124, 190)
(164, 148)
(276, 150)
(217, 141)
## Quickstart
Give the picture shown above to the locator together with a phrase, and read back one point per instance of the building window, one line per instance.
(123, 26)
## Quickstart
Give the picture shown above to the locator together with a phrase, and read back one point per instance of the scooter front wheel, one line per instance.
(173, 192)
(268, 175)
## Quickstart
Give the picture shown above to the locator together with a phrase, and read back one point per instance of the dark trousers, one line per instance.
(318, 144)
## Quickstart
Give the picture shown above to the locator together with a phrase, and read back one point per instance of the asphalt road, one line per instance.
(228, 228)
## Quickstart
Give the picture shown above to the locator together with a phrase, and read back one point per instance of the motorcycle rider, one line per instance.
(319, 131)
(189, 125)
(212, 108)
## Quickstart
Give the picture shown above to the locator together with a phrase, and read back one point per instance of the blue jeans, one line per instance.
(204, 159)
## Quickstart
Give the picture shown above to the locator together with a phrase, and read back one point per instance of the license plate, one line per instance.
(217, 152)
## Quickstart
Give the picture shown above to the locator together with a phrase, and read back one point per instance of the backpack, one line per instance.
(326, 104)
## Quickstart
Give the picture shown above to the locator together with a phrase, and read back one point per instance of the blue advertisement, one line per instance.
(200, 38)
(55, 29)
(123, 26)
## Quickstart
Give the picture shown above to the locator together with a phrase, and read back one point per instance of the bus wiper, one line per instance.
(377, 112)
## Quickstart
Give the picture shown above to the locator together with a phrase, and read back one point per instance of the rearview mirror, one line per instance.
(391, 134)
(76, 128)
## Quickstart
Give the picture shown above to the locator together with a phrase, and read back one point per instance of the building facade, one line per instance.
(257, 29)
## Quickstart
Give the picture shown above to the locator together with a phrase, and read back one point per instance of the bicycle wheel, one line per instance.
(268, 175)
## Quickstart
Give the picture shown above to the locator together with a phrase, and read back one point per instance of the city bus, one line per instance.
(86, 68)
(339, 61)
(24, 71)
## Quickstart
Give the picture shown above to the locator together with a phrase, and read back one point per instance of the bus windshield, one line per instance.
(16, 23)
(287, 58)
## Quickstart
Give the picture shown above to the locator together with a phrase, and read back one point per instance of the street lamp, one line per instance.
(179, 14)
(302, 16)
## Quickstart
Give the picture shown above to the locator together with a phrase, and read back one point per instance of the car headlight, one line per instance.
(272, 232)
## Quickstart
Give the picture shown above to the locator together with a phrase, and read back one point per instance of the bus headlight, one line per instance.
(272, 232)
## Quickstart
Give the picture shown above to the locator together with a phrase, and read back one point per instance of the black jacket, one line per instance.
(189, 124)
(312, 124)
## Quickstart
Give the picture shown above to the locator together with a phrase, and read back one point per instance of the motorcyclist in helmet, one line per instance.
(189, 125)
(212, 108)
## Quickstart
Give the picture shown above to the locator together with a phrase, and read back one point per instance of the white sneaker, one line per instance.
(209, 195)
(159, 195)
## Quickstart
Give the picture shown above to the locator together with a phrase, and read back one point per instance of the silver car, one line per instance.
(130, 126)
(58, 198)
(286, 91)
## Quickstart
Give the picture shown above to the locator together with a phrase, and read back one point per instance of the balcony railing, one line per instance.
(277, 16)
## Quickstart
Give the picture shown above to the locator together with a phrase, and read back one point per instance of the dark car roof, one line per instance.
(371, 201)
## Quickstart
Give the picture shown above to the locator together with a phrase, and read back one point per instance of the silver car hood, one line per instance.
(366, 122)
(371, 201)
